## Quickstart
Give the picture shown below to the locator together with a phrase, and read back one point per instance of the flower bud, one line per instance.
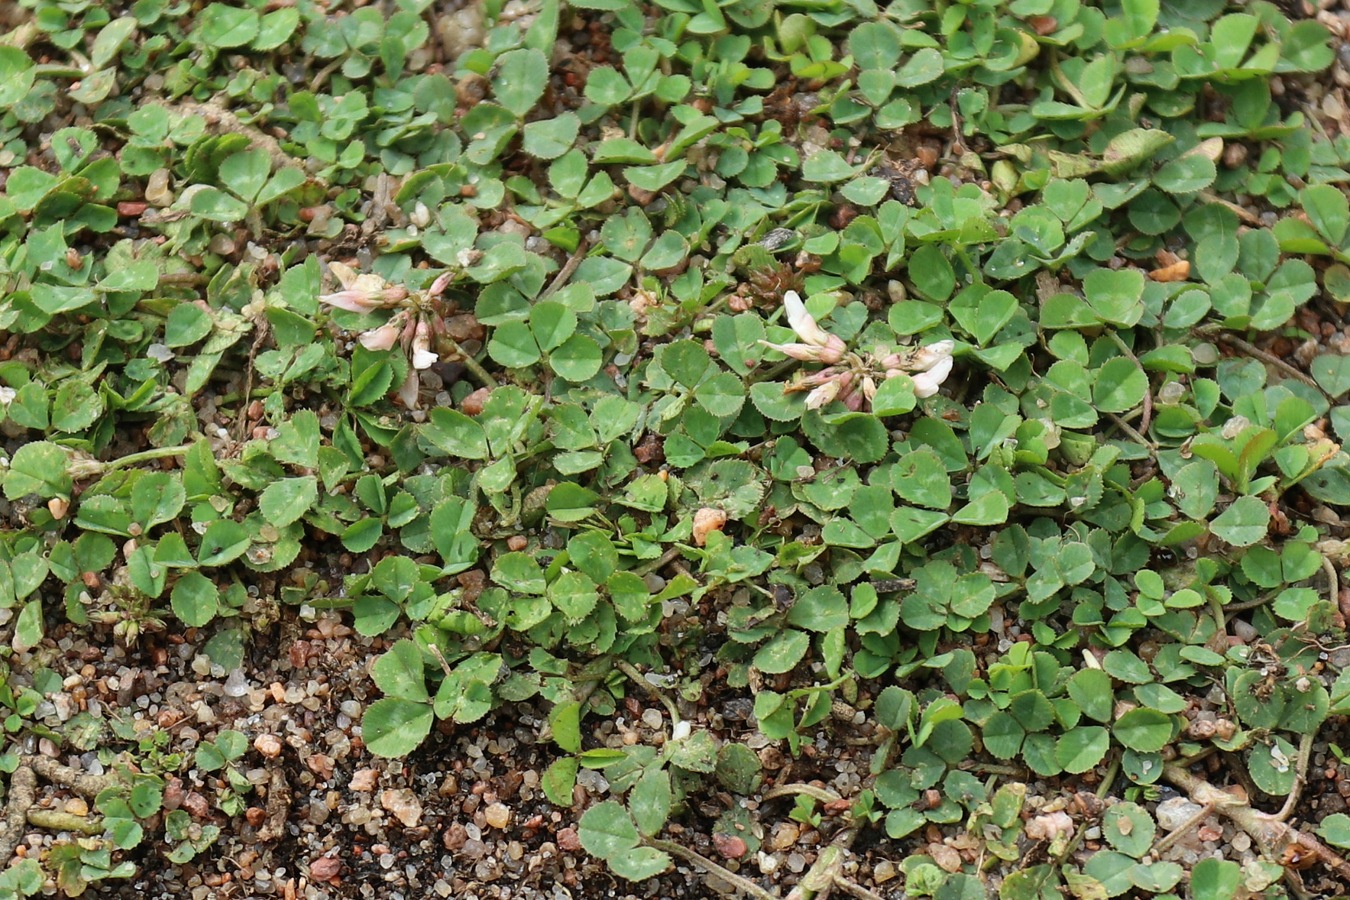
(351, 300)
(804, 352)
(802, 322)
(422, 357)
(822, 395)
(834, 349)
(441, 283)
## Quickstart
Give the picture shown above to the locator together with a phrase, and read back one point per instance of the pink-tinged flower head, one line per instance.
(422, 356)
(926, 383)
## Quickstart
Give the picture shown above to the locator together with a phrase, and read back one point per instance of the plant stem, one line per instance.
(56, 820)
(740, 883)
(1170, 838)
(1130, 430)
(661, 561)
(565, 273)
(474, 367)
(631, 671)
(1300, 777)
(1270, 359)
(824, 795)
(135, 459)
(1333, 582)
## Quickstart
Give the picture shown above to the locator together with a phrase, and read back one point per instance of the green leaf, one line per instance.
(1243, 523)
(565, 722)
(875, 45)
(218, 206)
(195, 599)
(28, 627)
(285, 501)
(140, 276)
(1116, 296)
(157, 497)
(455, 434)
(186, 324)
(224, 541)
(522, 76)
(1120, 386)
(650, 801)
(606, 87)
(722, 395)
(574, 595)
(783, 652)
(924, 66)
(640, 863)
(894, 397)
(222, 27)
(1143, 729)
(1091, 690)
(1334, 829)
(551, 323)
(1129, 828)
(1080, 749)
(991, 508)
(400, 672)
(1332, 372)
(1274, 766)
(560, 780)
(827, 167)
(393, 726)
(513, 346)
(932, 273)
(38, 468)
(551, 138)
(1186, 174)
(1219, 879)
(607, 831)
(1328, 210)
(577, 359)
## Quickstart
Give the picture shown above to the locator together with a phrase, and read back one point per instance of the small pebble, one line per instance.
(1175, 812)
(269, 745)
(497, 815)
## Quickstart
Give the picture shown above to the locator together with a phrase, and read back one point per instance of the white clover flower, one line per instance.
(926, 358)
(822, 395)
(422, 356)
(926, 383)
(382, 338)
(818, 344)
